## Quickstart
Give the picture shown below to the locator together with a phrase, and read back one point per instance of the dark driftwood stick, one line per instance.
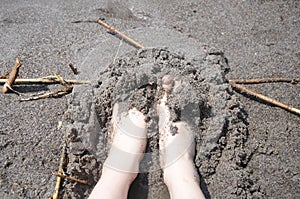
(264, 80)
(122, 35)
(12, 76)
(266, 99)
(73, 68)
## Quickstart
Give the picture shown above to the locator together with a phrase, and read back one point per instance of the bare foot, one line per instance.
(127, 148)
(177, 150)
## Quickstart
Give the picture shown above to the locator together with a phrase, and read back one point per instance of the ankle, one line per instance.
(124, 178)
(183, 170)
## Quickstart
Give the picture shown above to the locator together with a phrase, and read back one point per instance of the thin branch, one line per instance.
(266, 99)
(71, 178)
(45, 80)
(60, 171)
(64, 91)
(85, 21)
(264, 80)
(122, 35)
(12, 76)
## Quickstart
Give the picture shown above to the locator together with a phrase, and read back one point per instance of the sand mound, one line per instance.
(204, 100)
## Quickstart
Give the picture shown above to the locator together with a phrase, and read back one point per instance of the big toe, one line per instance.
(131, 123)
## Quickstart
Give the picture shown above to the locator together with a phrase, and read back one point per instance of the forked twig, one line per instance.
(60, 79)
(122, 35)
(11, 79)
(266, 99)
(66, 90)
(71, 178)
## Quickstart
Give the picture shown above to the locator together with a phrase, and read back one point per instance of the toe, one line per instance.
(131, 123)
(167, 83)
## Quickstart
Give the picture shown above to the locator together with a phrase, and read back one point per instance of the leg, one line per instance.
(121, 166)
(177, 153)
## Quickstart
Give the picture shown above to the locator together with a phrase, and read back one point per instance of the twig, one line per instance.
(60, 79)
(122, 35)
(45, 80)
(64, 91)
(73, 68)
(264, 80)
(12, 76)
(85, 21)
(60, 171)
(13, 90)
(71, 178)
(266, 99)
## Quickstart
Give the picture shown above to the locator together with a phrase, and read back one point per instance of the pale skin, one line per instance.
(179, 174)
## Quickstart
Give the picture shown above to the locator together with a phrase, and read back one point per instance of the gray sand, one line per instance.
(245, 148)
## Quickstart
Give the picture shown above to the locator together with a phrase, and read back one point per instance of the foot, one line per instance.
(177, 150)
(176, 138)
(122, 164)
(128, 140)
